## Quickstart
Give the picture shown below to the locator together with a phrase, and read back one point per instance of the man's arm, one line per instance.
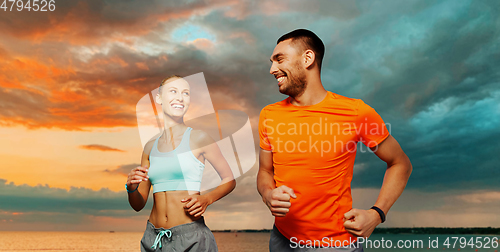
(397, 174)
(265, 176)
(277, 199)
(363, 222)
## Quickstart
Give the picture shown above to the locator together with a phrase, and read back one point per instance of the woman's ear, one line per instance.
(158, 98)
(309, 58)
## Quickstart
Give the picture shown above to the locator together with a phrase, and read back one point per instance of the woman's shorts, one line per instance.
(194, 236)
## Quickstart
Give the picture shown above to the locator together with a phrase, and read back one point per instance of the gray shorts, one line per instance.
(279, 243)
(194, 236)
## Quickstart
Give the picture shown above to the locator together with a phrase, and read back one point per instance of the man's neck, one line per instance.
(313, 94)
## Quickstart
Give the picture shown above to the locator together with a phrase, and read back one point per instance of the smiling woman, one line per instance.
(173, 164)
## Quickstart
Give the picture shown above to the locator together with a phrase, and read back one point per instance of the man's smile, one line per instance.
(280, 78)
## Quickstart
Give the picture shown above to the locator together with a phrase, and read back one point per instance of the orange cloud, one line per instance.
(96, 22)
(203, 44)
(66, 96)
(30, 72)
(11, 213)
(142, 65)
(42, 94)
(246, 36)
(99, 147)
(77, 89)
(241, 10)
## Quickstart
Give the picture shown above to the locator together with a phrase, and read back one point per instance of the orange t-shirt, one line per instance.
(314, 148)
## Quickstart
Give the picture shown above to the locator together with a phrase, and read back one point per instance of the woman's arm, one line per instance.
(197, 204)
(138, 178)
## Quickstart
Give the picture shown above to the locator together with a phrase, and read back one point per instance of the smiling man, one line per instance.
(308, 146)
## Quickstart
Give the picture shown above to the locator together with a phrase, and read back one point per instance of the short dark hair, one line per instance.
(308, 40)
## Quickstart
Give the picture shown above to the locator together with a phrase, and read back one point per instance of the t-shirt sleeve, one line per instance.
(264, 140)
(372, 129)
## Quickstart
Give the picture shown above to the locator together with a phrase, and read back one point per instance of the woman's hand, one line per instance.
(196, 204)
(136, 176)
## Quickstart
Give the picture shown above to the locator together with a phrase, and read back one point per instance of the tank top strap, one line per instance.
(184, 145)
(154, 149)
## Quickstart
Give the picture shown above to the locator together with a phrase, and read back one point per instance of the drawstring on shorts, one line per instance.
(167, 233)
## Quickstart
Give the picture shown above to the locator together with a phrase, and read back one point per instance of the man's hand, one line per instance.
(278, 200)
(361, 223)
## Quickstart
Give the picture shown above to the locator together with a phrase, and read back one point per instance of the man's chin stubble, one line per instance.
(293, 92)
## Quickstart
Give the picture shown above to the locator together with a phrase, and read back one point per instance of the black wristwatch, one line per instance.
(380, 212)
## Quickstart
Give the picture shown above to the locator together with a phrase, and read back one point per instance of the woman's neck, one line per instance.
(172, 129)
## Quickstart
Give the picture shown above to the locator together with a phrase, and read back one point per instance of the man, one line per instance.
(308, 146)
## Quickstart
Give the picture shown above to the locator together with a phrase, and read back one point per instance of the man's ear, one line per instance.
(309, 58)
(158, 98)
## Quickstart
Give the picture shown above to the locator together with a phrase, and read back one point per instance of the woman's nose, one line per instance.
(179, 97)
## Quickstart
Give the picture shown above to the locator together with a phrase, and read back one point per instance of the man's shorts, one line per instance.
(194, 236)
(279, 243)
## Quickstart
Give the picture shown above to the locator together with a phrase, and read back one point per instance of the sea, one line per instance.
(231, 242)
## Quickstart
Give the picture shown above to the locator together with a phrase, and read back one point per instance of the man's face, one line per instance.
(288, 69)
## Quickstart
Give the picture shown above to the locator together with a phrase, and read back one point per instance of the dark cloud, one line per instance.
(246, 45)
(40, 203)
(43, 198)
(441, 64)
(103, 91)
(438, 94)
(34, 110)
(95, 21)
(429, 68)
(367, 57)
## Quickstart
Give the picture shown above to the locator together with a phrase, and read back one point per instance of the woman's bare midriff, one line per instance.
(168, 210)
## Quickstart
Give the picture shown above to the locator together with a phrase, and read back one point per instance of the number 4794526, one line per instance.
(28, 5)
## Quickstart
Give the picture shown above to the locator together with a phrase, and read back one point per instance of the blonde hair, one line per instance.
(164, 81)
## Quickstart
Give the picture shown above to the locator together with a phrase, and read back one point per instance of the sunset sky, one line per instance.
(70, 81)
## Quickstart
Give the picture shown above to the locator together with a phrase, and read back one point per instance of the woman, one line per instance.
(173, 164)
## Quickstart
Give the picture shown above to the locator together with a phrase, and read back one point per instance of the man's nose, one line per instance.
(273, 69)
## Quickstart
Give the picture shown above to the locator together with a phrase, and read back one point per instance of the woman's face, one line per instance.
(175, 97)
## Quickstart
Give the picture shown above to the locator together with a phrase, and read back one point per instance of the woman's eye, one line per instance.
(173, 91)
(186, 93)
